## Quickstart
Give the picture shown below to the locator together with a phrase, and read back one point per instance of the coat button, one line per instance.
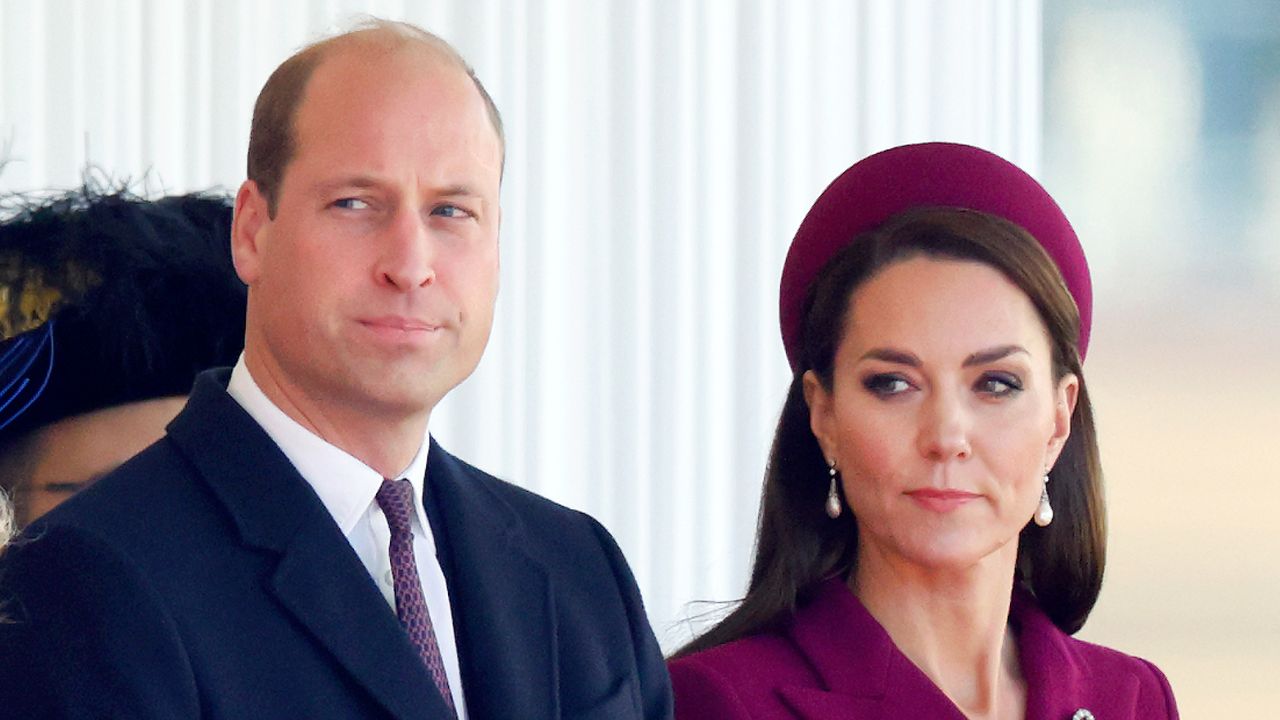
(1082, 714)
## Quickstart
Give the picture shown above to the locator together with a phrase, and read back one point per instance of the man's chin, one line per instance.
(407, 394)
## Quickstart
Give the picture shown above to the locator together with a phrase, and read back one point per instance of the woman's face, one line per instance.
(943, 414)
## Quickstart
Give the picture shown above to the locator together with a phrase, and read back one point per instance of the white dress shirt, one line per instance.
(347, 488)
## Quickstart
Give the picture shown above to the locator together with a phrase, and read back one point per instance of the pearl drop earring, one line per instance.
(1044, 513)
(833, 497)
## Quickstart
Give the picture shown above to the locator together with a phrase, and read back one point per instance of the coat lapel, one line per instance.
(318, 579)
(501, 596)
(862, 673)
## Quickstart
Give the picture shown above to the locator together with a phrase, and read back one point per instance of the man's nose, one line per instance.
(408, 257)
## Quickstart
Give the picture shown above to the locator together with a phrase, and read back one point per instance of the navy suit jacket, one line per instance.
(832, 661)
(205, 578)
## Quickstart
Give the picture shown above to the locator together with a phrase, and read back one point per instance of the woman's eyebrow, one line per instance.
(901, 357)
(982, 357)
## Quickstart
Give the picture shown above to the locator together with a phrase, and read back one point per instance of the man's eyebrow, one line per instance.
(369, 181)
(347, 181)
(458, 190)
(901, 357)
(982, 357)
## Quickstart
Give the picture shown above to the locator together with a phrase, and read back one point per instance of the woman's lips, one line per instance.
(941, 501)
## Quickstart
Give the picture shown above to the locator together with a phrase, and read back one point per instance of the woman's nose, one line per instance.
(944, 429)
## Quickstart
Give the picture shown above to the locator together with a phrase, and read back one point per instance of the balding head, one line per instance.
(273, 135)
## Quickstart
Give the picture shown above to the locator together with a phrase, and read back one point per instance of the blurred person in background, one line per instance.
(110, 305)
(6, 532)
(932, 526)
(6, 521)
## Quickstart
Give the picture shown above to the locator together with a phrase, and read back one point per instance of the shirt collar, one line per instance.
(345, 485)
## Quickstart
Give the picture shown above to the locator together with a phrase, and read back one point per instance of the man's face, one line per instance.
(372, 289)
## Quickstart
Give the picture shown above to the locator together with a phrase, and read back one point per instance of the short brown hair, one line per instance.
(271, 133)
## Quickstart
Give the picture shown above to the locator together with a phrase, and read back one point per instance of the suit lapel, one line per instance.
(501, 597)
(354, 624)
(318, 579)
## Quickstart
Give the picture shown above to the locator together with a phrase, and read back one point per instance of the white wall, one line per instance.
(660, 156)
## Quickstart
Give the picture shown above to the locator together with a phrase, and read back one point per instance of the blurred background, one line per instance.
(660, 156)
(1162, 142)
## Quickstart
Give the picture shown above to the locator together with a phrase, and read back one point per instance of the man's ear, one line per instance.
(1065, 397)
(821, 414)
(251, 217)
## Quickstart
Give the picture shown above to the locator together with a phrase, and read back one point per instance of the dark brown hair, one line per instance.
(798, 546)
(272, 142)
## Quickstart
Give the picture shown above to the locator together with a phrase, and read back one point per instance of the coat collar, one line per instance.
(317, 578)
(509, 618)
(864, 675)
(1060, 677)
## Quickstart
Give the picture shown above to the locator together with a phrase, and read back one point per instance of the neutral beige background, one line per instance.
(1162, 143)
(1189, 414)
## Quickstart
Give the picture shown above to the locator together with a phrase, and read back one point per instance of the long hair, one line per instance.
(798, 545)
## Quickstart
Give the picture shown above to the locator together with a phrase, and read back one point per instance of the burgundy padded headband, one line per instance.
(926, 175)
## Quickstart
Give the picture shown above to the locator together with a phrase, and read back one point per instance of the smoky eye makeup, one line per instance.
(885, 384)
(998, 384)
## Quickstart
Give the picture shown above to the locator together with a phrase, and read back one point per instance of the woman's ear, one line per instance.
(821, 414)
(1065, 396)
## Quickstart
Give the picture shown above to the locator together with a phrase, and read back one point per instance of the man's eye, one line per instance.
(351, 204)
(886, 385)
(451, 211)
(998, 384)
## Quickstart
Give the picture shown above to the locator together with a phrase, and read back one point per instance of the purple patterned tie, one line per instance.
(395, 497)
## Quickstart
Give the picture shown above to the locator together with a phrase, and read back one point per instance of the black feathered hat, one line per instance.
(108, 299)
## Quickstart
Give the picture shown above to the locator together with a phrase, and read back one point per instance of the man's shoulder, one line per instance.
(40, 562)
(152, 484)
(152, 513)
(526, 504)
(561, 539)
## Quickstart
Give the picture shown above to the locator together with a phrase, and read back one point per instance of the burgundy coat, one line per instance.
(833, 661)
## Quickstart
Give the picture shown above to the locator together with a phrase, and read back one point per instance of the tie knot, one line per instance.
(395, 497)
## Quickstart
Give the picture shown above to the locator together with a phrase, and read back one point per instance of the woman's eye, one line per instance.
(998, 384)
(886, 385)
(351, 204)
